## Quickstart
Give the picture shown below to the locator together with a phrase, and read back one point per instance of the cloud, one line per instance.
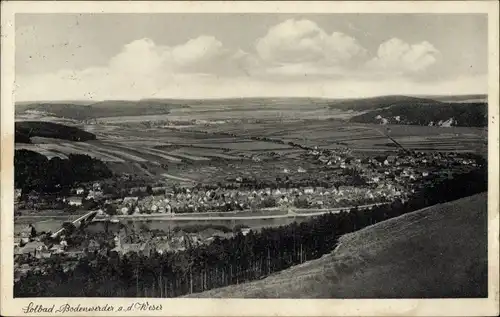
(303, 41)
(294, 58)
(141, 56)
(141, 69)
(398, 56)
(197, 51)
(204, 54)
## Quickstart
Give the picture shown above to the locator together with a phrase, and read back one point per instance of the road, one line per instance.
(292, 214)
(183, 179)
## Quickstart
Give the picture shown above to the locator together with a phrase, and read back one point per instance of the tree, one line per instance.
(268, 202)
(301, 203)
(69, 227)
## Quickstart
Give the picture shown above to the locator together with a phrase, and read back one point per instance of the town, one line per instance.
(321, 181)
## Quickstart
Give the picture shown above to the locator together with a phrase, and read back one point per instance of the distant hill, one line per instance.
(440, 114)
(372, 103)
(417, 111)
(110, 108)
(440, 251)
(24, 130)
(458, 98)
(410, 109)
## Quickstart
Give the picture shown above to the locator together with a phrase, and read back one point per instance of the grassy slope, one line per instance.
(439, 251)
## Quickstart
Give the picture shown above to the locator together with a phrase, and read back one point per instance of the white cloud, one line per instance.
(398, 56)
(198, 50)
(199, 55)
(286, 60)
(303, 41)
(141, 56)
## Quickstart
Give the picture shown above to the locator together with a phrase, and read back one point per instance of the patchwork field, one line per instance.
(335, 133)
(203, 151)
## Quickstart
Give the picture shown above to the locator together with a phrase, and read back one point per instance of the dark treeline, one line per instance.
(33, 171)
(230, 261)
(465, 114)
(27, 129)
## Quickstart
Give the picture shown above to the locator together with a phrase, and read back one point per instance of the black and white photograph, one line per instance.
(250, 155)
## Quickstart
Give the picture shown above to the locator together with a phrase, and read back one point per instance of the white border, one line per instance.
(254, 307)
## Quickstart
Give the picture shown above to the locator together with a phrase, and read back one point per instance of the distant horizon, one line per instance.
(254, 97)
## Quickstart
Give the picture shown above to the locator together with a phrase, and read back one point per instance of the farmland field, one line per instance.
(205, 152)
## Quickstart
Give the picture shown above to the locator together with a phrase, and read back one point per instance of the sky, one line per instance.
(174, 55)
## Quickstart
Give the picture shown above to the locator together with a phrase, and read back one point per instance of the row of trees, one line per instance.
(231, 261)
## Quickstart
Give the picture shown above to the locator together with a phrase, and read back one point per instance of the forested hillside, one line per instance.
(33, 171)
(24, 130)
(436, 252)
(110, 108)
(452, 114)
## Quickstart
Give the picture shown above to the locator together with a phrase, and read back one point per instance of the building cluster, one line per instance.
(173, 241)
(32, 253)
(199, 200)
(321, 178)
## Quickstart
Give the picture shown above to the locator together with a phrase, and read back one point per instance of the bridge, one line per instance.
(79, 222)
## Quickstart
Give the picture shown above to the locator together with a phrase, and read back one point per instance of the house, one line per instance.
(159, 190)
(80, 191)
(76, 254)
(74, 201)
(308, 190)
(139, 248)
(94, 194)
(93, 246)
(34, 248)
(391, 158)
(130, 200)
(56, 249)
(27, 231)
(245, 231)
